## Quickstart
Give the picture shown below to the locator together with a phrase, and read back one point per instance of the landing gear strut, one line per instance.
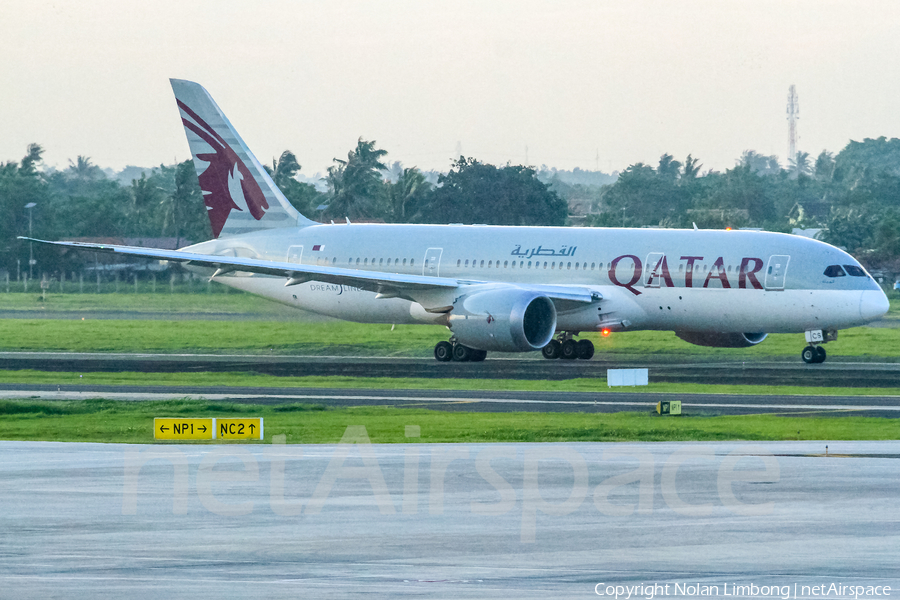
(565, 347)
(453, 350)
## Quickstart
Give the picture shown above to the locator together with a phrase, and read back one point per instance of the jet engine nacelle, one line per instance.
(722, 340)
(505, 320)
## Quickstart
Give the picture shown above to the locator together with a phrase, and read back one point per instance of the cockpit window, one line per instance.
(855, 271)
(834, 271)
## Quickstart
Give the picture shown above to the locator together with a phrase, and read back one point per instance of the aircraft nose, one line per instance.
(873, 304)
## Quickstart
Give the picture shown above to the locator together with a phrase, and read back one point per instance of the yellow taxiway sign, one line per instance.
(167, 428)
(239, 429)
(669, 407)
(184, 429)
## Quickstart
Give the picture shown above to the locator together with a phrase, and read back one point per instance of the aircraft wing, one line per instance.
(393, 284)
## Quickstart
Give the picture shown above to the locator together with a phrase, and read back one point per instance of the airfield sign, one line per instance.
(209, 428)
(184, 429)
(239, 429)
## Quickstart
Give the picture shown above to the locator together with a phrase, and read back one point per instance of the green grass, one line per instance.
(354, 339)
(235, 302)
(186, 299)
(596, 385)
(219, 337)
(295, 332)
(108, 421)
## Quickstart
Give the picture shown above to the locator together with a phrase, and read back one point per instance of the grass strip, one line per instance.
(218, 337)
(124, 422)
(163, 301)
(596, 385)
(341, 338)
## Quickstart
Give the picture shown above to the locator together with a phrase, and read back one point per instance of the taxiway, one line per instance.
(444, 521)
(834, 373)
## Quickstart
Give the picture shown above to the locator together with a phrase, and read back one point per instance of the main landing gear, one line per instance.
(813, 354)
(565, 347)
(453, 350)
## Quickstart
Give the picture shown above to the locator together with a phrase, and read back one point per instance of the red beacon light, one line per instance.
(728, 229)
(605, 332)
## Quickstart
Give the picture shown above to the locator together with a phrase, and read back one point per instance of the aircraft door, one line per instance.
(432, 264)
(653, 269)
(295, 254)
(776, 271)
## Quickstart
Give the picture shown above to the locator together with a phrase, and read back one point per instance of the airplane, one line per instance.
(508, 289)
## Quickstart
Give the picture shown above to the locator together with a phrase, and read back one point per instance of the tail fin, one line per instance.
(240, 196)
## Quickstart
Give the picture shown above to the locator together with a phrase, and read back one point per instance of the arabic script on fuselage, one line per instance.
(564, 252)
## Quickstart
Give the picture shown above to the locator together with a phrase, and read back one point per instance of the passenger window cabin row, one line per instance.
(830, 271)
(507, 264)
(382, 262)
(366, 262)
(567, 265)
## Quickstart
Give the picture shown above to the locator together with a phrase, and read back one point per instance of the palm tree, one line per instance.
(283, 169)
(408, 194)
(824, 166)
(799, 165)
(84, 169)
(145, 195)
(355, 183)
(668, 168)
(691, 168)
(759, 163)
(28, 166)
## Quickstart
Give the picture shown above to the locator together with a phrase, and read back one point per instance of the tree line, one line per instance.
(81, 201)
(854, 197)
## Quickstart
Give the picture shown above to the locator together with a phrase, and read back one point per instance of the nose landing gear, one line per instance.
(813, 354)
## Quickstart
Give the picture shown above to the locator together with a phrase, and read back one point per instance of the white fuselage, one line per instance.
(678, 280)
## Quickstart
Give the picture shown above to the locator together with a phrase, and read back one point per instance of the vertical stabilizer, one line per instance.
(240, 196)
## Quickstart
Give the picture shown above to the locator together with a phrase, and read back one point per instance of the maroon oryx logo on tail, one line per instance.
(227, 182)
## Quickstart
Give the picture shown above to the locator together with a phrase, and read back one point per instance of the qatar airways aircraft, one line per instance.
(509, 289)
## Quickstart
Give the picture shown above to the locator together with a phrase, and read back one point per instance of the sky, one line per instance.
(567, 84)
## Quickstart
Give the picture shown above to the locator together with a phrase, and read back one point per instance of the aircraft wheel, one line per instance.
(462, 353)
(585, 349)
(551, 350)
(570, 350)
(809, 355)
(443, 351)
(820, 354)
(478, 355)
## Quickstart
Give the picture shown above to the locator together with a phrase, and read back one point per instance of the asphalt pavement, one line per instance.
(449, 521)
(601, 401)
(834, 373)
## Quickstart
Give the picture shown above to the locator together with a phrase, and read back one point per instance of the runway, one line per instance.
(447, 521)
(834, 373)
(481, 401)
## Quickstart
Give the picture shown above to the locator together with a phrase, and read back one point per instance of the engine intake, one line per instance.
(722, 340)
(505, 320)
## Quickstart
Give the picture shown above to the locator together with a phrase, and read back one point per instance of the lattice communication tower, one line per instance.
(793, 113)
